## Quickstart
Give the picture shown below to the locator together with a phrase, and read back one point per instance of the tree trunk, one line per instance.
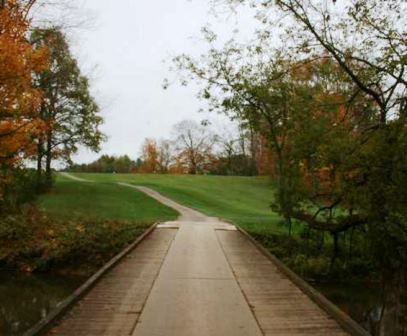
(253, 165)
(335, 251)
(290, 225)
(283, 193)
(350, 253)
(321, 240)
(394, 316)
(40, 155)
(48, 157)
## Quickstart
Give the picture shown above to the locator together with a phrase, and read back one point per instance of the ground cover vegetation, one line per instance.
(324, 83)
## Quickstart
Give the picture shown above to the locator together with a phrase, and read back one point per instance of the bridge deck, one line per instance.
(197, 276)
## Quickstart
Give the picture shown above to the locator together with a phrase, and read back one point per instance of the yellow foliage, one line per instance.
(20, 101)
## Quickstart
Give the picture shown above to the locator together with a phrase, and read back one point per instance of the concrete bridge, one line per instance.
(197, 276)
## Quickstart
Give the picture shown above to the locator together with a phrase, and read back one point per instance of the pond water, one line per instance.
(360, 301)
(24, 300)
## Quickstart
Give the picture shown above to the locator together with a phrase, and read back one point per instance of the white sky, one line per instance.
(124, 53)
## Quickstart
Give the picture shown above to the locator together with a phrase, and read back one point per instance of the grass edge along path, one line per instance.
(244, 201)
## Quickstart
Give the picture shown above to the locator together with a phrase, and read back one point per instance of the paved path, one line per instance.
(196, 276)
(73, 177)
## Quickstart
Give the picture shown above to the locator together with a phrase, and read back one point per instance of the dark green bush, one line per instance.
(310, 255)
(31, 241)
(21, 187)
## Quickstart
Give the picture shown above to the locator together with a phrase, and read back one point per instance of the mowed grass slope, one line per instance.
(103, 201)
(241, 200)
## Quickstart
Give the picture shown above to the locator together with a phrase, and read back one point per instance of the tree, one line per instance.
(150, 156)
(235, 151)
(348, 169)
(165, 155)
(367, 40)
(24, 6)
(19, 100)
(256, 94)
(194, 144)
(68, 109)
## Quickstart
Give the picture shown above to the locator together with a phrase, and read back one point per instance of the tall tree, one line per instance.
(353, 124)
(165, 155)
(367, 40)
(19, 101)
(150, 156)
(194, 145)
(69, 110)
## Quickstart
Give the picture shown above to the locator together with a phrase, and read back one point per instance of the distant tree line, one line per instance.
(199, 149)
(108, 164)
(194, 148)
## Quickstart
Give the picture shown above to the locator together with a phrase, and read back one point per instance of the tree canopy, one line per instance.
(68, 109)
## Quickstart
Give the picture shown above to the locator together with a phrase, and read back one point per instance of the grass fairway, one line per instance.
(102, 201)
(242, 200)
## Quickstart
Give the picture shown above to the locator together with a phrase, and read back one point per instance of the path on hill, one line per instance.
(73, 177)
(196, 276)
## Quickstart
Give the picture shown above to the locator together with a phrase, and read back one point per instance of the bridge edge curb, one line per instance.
(344, 320)
(45, 324)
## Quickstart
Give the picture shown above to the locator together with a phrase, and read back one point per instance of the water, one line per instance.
(24, 300)
(360, 301)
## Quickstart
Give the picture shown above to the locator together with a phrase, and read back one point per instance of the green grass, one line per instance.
(241, 200)
(102, 201)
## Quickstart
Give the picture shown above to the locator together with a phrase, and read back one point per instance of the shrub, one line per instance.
(31, 241)
(18, 186)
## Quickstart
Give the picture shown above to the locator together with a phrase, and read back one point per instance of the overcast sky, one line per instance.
(124, 52)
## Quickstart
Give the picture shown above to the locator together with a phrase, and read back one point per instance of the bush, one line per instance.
(31, 241)
(18, 187)
(306, 256)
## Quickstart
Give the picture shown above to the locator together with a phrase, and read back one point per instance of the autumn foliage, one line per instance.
(19, 100)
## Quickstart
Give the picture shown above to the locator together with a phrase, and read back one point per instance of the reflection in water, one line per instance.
(359, 301)
(24, 300)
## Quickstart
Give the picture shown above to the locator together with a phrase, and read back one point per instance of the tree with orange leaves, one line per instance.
(149, 155)
(19, 100)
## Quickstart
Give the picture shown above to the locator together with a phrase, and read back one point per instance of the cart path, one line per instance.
(73, 177)
(196, 276)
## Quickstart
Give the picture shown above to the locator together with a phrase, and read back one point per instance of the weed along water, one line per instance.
(360, 301)
(25, 299)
